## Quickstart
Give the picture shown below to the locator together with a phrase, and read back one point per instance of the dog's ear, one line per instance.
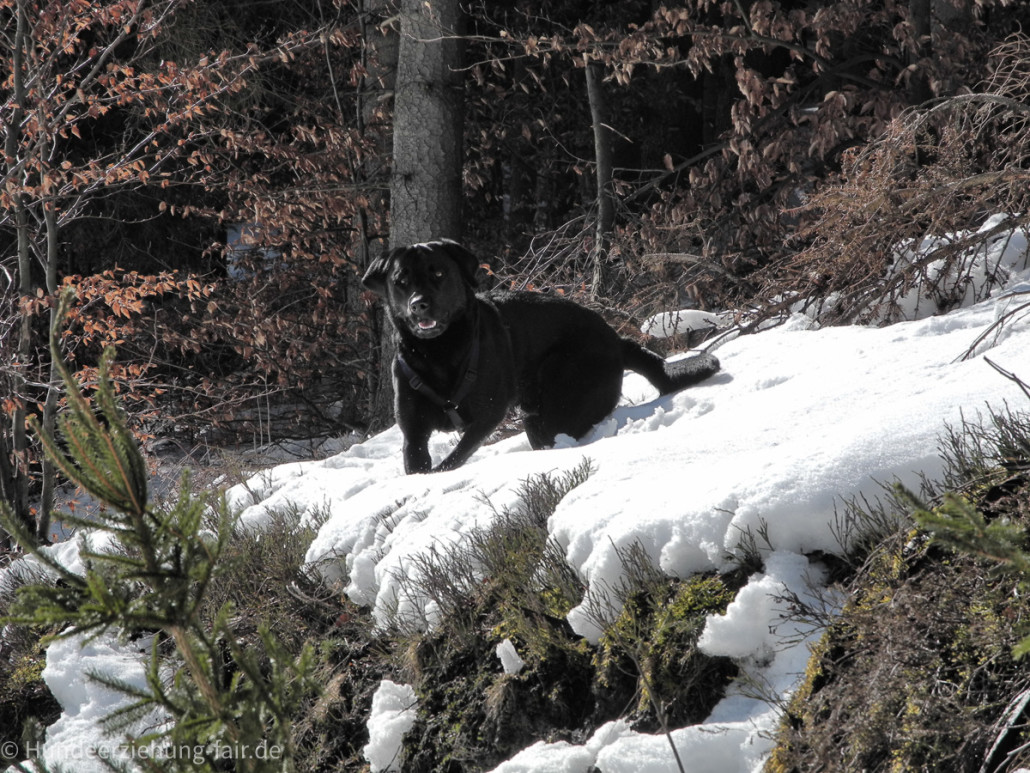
(375, 276)
(464, 259)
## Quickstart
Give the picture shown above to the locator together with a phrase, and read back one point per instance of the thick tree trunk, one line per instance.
(379, 60)
(425, 189)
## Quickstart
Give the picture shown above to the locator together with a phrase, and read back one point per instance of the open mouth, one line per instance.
(426, 328)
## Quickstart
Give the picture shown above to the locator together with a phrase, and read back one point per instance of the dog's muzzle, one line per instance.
(423, 325)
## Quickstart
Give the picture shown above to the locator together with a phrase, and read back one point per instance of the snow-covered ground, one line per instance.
(799, 418)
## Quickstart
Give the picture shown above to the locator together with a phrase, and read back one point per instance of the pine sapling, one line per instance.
(147, 571)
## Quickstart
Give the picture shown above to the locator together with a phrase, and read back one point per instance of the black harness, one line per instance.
(449, 406)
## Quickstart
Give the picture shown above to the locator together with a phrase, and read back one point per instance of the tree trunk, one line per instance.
(425, 189)
(49, 471)
(379, 60)
(19, 445)
(920, 15)
(603, 162)
(7, 473)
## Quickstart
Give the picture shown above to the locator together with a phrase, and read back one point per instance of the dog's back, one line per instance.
(540, 322)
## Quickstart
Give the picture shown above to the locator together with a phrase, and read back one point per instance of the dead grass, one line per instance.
(918, 673)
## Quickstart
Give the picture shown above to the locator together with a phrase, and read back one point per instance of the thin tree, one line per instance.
(73, 72)
(603, 163)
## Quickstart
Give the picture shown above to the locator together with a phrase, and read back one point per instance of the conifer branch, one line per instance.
(157, 584)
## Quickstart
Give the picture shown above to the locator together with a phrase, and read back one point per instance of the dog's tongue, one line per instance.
(427, 324)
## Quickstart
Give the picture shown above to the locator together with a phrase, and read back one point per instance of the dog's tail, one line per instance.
(672, 376)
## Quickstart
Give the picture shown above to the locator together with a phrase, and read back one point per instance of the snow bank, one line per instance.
(563, 757)
(959, 281)
(393, 714)
(798, 417)
(76, 741)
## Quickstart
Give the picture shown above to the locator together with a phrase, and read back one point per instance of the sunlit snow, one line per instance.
(798, 419)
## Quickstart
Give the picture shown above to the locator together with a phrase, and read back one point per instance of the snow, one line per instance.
(509, 657)
(393, 714)
(671, 323)
(74, 741)
(563, 757)
(942, 284)
(799, 418)
(964, 281)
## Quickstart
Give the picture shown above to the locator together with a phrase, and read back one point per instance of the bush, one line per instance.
(921, 670)
(205, 688)
(912, 207)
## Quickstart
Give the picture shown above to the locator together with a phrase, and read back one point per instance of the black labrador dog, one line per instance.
(464, 359)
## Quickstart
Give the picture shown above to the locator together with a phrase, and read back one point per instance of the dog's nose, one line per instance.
(418, 303)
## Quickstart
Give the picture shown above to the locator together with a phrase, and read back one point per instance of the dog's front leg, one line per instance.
(416, 450)
(472, 439)
(415, 418)
(416, 457)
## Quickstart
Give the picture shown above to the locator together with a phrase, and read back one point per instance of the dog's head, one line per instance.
(426, 286)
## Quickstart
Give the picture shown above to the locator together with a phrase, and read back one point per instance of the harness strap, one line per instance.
(449, 406)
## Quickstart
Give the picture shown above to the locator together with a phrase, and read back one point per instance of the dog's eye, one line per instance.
(438, 273)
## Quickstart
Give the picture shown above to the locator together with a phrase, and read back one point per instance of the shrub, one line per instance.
(204, 685)
(921, 670)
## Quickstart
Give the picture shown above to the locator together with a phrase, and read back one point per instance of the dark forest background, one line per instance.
(213, 176)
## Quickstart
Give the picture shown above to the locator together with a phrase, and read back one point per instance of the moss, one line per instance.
(27, 670)
(556, 601)
(915, 672)
(653, 644)
(26, 704)
(798, 709)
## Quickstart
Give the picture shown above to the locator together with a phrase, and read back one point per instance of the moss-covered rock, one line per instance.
(650, 649)
(918, 672)
(26, 704)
